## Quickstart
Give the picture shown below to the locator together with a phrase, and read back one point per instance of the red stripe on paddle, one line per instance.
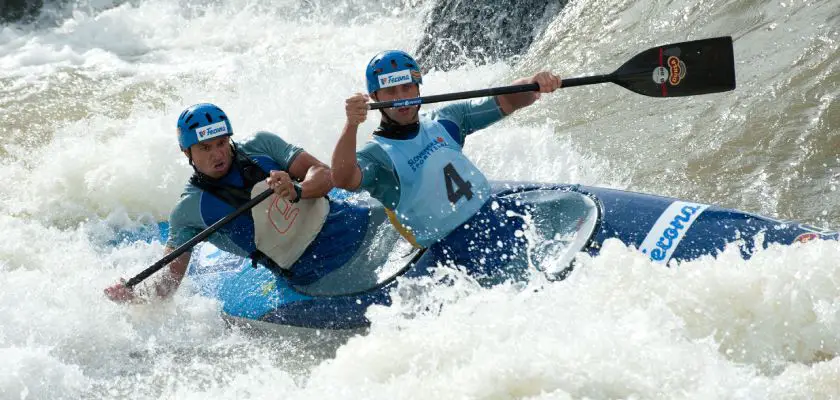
(661, 64)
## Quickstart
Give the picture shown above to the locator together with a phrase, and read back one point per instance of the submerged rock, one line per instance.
(19, 10)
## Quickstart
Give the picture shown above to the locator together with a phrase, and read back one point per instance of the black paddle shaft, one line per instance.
(680, 69)
(198, 238)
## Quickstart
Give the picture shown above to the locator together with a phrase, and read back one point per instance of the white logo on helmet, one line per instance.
(395, 78)
(212, 131)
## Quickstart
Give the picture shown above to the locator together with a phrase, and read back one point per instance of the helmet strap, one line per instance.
(189, 157)
(385, 118)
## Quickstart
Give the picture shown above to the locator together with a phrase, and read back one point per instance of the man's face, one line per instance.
(402, 115)
(212, 157)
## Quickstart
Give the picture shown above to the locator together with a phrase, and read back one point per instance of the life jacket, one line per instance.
(440, 188)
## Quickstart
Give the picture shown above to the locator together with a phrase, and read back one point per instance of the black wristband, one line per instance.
(298, 190)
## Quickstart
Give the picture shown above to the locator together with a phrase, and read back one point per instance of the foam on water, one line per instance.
(620, 327)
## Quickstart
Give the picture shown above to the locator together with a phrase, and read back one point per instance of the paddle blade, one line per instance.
(681, 69)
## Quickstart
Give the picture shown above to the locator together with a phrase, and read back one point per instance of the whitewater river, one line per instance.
(89, 96)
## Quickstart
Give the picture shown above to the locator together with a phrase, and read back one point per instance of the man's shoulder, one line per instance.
(451, 115)
(459, 110)
(185, 219)
(444, 112)
(370, 147)
(258, 141)
(374, 153)
(189, 202)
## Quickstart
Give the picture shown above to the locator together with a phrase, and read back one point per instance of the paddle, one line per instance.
(679, 69)
(198, 238)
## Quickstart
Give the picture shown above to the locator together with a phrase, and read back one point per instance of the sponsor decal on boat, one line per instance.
(669, 230)
(677, 70)
(806, 237)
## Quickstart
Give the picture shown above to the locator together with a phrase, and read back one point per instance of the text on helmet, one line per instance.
(395, 78)
(212, 131)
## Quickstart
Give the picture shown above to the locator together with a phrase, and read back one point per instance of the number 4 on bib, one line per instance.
(453, 180)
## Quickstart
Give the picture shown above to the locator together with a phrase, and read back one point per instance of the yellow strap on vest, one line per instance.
(403, 231)
(392, 216)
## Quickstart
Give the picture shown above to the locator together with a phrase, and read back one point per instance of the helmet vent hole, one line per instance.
(394, 64)
(193, 126)
(209, 118)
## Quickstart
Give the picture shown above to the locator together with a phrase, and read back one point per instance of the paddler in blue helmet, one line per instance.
(414, 165)
(297, 233)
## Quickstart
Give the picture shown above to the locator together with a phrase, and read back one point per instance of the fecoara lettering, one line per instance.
(397, 79)
(666, 240)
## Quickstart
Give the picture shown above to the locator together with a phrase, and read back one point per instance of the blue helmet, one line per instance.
(202, 122)
(392, 68)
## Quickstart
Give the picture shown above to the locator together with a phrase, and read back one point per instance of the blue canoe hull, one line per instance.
(666, 229)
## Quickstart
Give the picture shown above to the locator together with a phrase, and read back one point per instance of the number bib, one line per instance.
(440, 188)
